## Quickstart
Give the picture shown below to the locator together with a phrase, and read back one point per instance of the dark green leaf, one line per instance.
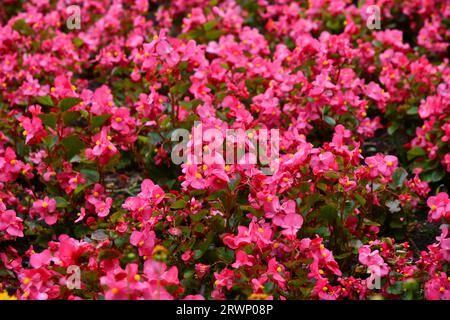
(67, 103)
(415, 152)
(73, 145)
(91, 175)
(98, 121)
(45, 101)
(49, 119)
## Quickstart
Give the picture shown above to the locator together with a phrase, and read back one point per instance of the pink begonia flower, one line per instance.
(63, 88)
(194, 297)
(33, 130)
(188, 255)
(157, 272)
(9, 222)
(270, 202)
(71, 249)
(193, 177)
(202, 269)
(347, 183)
(258, 284)
(438, 287)
(243, 259)
(445, 249)
(446, 161)
(323, 162)
(439, 207)
(373, 261)
(224, 279)
(151, 191)
(81, 216)
(291, 224)
(276, 270)
(103, 149)
(44, 208)
(144, 240)
(102, 101)
(243, 238)
(121, 121)
(430, 106)
(102, 207)
(322, 257)
(38, 260)
(379, 164)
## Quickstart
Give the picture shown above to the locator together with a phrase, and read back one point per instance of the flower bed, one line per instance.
(355, 204)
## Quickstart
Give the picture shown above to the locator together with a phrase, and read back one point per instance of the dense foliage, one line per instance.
(358, 195)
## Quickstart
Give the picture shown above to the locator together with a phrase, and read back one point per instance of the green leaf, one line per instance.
(199, 227)
(80, 188)
(343, 255)
(180, 204)
(412, 111)
(328, 213)
(225, 254)
(78, 42)
(415, 152)
(109, 254)
(233, 184)
(213, 35)
(185, 104)
(396, 288)
(22, 27)
(67, 103)
(45, 101)
(49, 119)
(331, 174)
(225, 66)
(433, 176)
(398, 178)
(91, 175)
(73, 145)
(241, 70)
(208, 26)
(61, 202)
(98, 121)
(329, 120)
(360, 199)
(71, 117)
(371, 223)
(392, 128)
